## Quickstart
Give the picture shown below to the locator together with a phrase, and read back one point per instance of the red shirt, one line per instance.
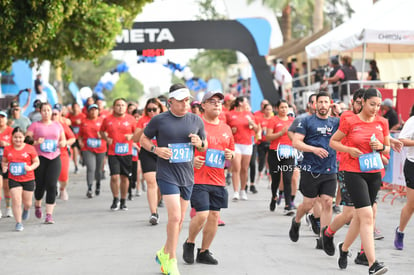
(239, 120)
(264, 122)
(219, 137)
(142, 123)
(76, 121)
(89, 131)
(117, 128)
(21, 157)
(104, 113)
(359, 134)
(68, 134)
(339, 155)
(277, 124)
(5, 136)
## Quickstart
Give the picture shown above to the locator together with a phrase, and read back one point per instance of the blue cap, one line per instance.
(2, 113)
(92, 106)
(58, 107)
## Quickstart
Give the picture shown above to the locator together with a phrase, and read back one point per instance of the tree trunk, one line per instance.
(287, 23)
(318, 16)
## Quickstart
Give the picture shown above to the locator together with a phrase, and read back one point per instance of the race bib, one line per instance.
(1, 151)
(48, 146)
(134, 152)
(370, 162)
(181, 152)
(93, 142)
(75, 130)
(121, 148)
(285, 151)
(215, 158)
(17, 168)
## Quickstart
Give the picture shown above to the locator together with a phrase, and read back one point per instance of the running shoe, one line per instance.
(130, 197)
(89, 194)
(161, 204)
(143, 186)
(9, 212)
(292, 205)
(361, 259)
(38, 212)
(272, 205)
(243, 195)
(64, 196)
(49, 219)
(228, 179)
(315, 224)
(161, 258)
(327, 242)
(123, 206)
(378, 235)
(138, 193)
(253, 189)
(171, 267)
(336, 209)
(399, 239)
(307, 219)
(115, 204)
(25, 214)
(19, 226)
(188, 252)
(343, 257)
(236, 196)
(319, 244)
(98, 188)
(377, 268)
(221, 223)
(287, 211)
(279, 199)
(294, 230)
(76, 170)
(154, 219)
(205, 257)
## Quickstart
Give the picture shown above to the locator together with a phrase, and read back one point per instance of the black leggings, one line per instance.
(362, 187)
(133, 177)
(252, 164)
(47, 175)
(262, 149)
(282, 166)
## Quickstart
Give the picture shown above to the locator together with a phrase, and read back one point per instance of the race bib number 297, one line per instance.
(181, 152)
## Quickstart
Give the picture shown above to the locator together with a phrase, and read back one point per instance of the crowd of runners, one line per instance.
(181, 151)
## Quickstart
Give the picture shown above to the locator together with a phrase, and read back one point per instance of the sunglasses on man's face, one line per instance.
(152, 110)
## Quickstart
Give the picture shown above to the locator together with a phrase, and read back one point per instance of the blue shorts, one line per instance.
(209, 197)
(167, 188)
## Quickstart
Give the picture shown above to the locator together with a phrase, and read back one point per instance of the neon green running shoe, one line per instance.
(172, 268)
(161, 258)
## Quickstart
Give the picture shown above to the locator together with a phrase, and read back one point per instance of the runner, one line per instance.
(20, 160)
(407, 137)
(93, 149)
(76, 117)
(152, 108)
(263, 143)
(281, 155)
(177, 132)
(209, 193)
(318, 168)
(48, 136)
(367, 138)
(243, 126)
(118, 131)
(5, 140)
(64, 154)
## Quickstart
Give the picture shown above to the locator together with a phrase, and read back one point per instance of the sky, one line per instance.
(155, 77)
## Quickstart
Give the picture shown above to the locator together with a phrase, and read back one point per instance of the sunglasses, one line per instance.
(152, 110)
(214, 102)
(54, 114)
(16, 109)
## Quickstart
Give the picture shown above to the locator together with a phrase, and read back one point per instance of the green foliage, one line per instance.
(57, 29)
(127, 87)
(208, 11)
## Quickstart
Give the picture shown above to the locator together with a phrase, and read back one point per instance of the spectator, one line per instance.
(40, 94)
(334, 64)
(17, 119)
(346, 72)
(373, 74)
(35, 115)
(390, 114)
(284, 82)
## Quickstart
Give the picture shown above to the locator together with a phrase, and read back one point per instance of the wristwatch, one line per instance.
(152, 150)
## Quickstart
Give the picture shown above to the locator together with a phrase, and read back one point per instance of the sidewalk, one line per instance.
(88, 238)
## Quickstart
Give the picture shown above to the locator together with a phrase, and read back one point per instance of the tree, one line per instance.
(57, 29)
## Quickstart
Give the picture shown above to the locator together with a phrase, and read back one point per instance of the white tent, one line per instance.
(387, 27)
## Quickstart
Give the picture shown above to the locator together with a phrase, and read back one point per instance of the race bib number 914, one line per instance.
(370, 162)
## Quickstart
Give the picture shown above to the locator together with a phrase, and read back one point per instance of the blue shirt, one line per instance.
(317, 133)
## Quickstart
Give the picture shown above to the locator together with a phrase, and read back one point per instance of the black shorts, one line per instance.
(148, 161)
(362, 187)
(120, 165)
(409, 173)
(312, 185)
(27, 186)
(76, 144)
(345, 197)
(209, 197)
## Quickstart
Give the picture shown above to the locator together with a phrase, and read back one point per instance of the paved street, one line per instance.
(88, 238)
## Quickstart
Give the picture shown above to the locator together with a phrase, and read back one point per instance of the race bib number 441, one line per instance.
(370, 162)
(48, 146)
(181, 152)
(215, 158)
